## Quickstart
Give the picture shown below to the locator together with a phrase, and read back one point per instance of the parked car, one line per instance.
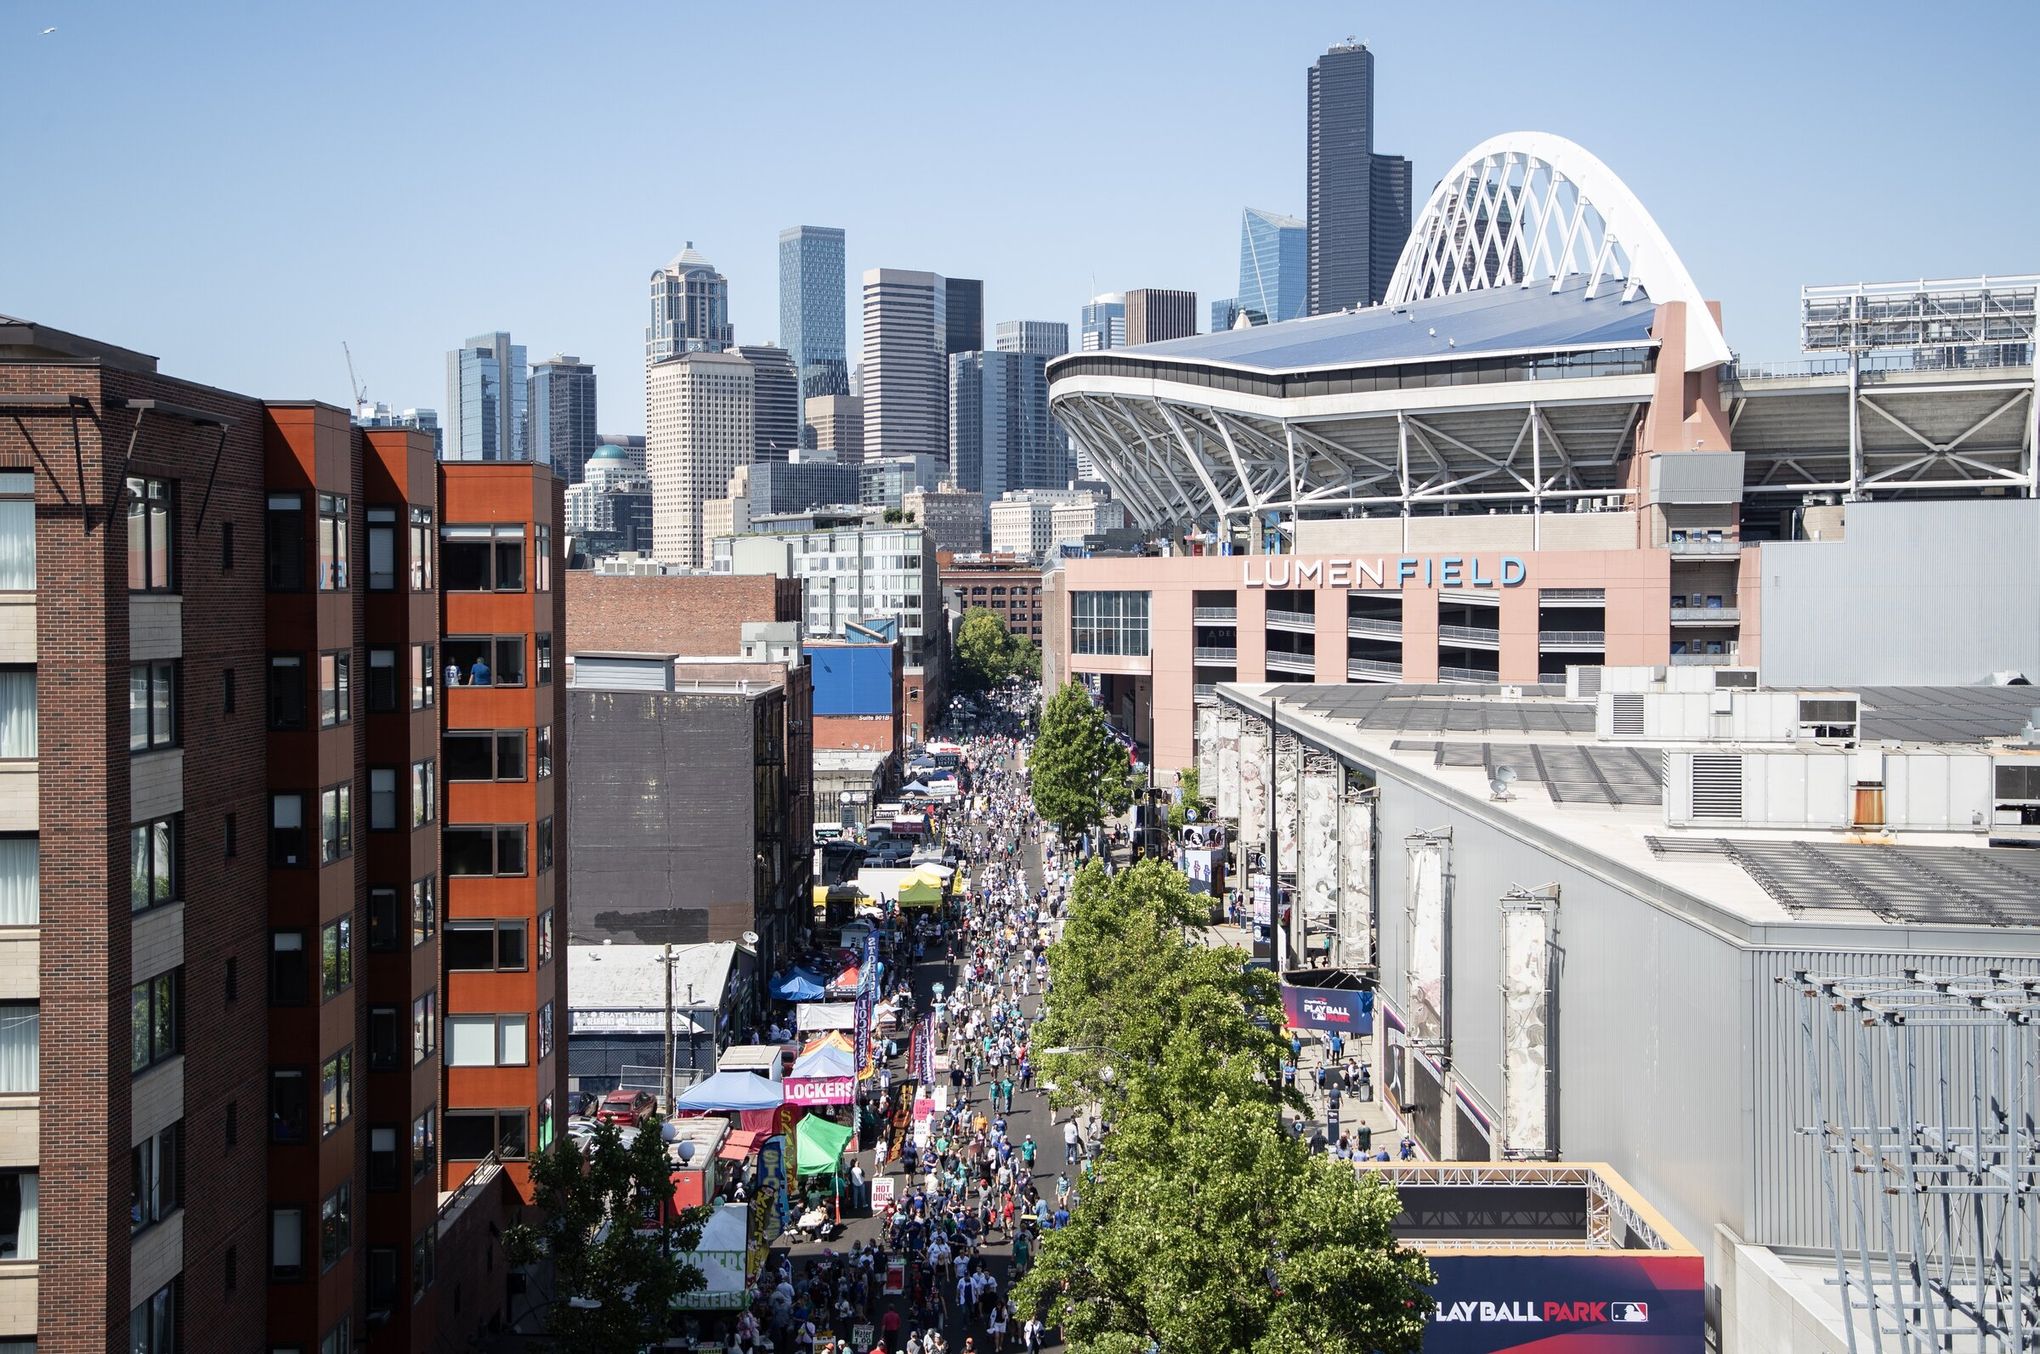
(623, 1108)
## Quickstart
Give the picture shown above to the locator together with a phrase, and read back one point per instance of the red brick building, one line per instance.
(690, 614)
(1007, 585)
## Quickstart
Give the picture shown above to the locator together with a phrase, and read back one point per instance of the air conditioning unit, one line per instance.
(1744, 679)
(1829, 718)
(2017, 800)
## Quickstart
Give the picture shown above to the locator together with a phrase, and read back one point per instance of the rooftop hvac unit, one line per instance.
(1583, 683)
(1741, 678)
(2017, 801)
(1826, 718)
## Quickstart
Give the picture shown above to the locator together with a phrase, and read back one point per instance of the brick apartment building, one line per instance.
(690, 614)
(253, 590)
(1007, 584)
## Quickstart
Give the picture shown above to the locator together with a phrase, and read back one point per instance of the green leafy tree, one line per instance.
(985, 653)
(614, 1252)
(1188, 782)
(1079, 774)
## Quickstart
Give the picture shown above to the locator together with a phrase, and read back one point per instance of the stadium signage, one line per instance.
(1439, 571)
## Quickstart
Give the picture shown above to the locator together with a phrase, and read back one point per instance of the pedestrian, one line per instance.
(1070, 1141)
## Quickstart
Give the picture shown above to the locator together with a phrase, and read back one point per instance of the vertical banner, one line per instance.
(1427, 938)
(1356, 883)
(1526, 1019)
(1288, 788)
(924, 1051)
(867, 993)
(1207, 748)
(1318, 858)
(772, 1175)
(1253, 785)
(1225, 788)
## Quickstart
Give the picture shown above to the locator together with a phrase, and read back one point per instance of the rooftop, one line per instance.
(622, 988)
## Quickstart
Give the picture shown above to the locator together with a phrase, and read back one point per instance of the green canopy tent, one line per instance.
(818, 1147)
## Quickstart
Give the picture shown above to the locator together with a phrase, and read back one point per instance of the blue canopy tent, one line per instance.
(729, 1091)
(799, 985)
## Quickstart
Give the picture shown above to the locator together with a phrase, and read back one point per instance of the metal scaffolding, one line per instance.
(1923, 1091)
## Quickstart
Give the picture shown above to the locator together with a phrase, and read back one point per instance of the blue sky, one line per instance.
(237, 188)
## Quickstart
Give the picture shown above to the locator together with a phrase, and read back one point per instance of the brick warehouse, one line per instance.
(691, 614)
(291, 1168)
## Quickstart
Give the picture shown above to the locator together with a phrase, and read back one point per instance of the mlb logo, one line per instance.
(1629, 1311)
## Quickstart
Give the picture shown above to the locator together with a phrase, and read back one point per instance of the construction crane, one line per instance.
(354, 387)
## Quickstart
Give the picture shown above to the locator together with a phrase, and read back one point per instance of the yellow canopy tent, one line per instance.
(920, 890)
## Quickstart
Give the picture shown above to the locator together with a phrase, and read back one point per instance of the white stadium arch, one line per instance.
(1529, 207)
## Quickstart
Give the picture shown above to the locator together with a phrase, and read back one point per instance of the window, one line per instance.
(18, 737)
(157, 1011)
(382, 681)
(230, 980)
(546, 1117)
(424, 912)
(384, 1045)
(424, 1143)
(545, 752)
(226, 545)
(382, 549)
(382, 799)
(230, 1268)
(483, 558)
(290, 982)
(154, 851)
(424, 1260)
(484, 754)
(481, 946)
(20, 879)
(545, 1044)
(230, 1130)
(335, 701)
(287, 1243)
(424, 1027)
(385, 919)
(424, 792)
(17, 531)
(382, 1160)
(424, 677)
(332, 543)
(541, 564)
(473, 1134)
(336, 1091)
(287, 845)
(336, 823)
(340, 1339)
(545, 934)
(151, 525)
(152, 1326)
(487, 1041)
(20, 1047)
(485, 660)
(156, 1178)
(1114, 624)
(226, 691)
(421, 550)
(152, 705)
(545, 844)
(290, 1105)
(336, 1227)
(336, 957)
(543, 643)
(474, 850)
(286, 691)
(285, 538)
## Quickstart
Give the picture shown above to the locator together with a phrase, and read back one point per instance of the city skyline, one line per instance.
(414, 285)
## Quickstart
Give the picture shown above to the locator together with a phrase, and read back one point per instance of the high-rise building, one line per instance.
(906, 372)
(563, 415)
(834, 428)
(1359, 201)
(486, 398)
(776, 411)
(1154, 314)
(963, 314)
(424, 420)
(1275, 266)
(953, 518)
(690, 308)
(1001, 435)
(631, 444)
(1225, 314)
(1046, 338)
(699, 411)
(811, 319)
(885, 481)
(610, 510)
(1104, 322)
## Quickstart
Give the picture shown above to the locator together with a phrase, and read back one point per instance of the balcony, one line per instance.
(1446, 674)
(1372, 670)
(1216, 655)
(1203, 693)
(1373, 627)
(1692, 549)
(1304, 663)
(1706, 615)
(1303, 621)
(1215, 615)
(1702, 660)
(1586, 640)
(1485, 637)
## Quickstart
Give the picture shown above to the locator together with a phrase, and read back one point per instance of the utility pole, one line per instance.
(668, 962)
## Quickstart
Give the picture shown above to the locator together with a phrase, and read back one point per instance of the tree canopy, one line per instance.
(987, 653)
(1079, 774)
(1190, 784)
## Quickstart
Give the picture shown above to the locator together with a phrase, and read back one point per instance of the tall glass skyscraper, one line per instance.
(690, 308)
(1047, 338)
(563, 415)
(811, 309)
(963, 314)
(776, 402)
(486, 400)
(1104, 322)
(1274, 266)
(1001, 435)
(1359, 201)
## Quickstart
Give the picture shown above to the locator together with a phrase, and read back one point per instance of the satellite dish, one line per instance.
(1499, 783)
(1506, 774)
(749, 937)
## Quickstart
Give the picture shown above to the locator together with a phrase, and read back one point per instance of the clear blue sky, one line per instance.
(237, 188)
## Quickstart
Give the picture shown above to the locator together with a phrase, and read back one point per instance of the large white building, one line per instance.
(906, 367)
(851, 574)
(1031, 522)
(698, 411)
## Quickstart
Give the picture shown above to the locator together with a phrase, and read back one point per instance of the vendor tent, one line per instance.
(828, 1015)
(828, 1056)
(726, 1091)
(819, 1144)
(797, 985)
(720, 1256)
(919, 890)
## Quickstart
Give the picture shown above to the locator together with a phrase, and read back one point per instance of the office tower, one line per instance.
(563, 415)
(1154, 314)
(776, 406)
(632, 445)
(1104, 322)
(1275, 264)
(486, 399)
(610, 510)
(834, 428)
(811, 318)
(1359, 201)
(885, 481)
(1225, 314)
(699, 411)
(963, 314)
(1046, 338)
(906, 372)
(1001, 435)
(425, 420)
(690, 308)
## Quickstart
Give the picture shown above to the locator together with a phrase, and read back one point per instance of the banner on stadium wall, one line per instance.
(1591, 1304)
(1327, 1008)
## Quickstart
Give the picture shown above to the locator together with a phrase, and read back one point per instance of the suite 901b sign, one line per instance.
(1435, 571)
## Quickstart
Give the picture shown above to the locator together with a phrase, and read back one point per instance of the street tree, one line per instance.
(1190, 786)
(986, 653)
(1079, 774)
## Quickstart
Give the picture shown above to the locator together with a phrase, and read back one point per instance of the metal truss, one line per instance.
(1923, 1091)
(1529, 207)
(1610, 1216)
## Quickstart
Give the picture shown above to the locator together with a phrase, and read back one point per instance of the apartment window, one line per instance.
(545, 844)
(424, 677)
(336, 1226)
(336, 823)
(482, 558)
(336, 957)
(1114, 624)
(421, 550)
(473, 755)
(382, 1162)
(20, 879)
(20, 1047)
(487, 1041)
(424, 792)
(287, 1243)
(153, 860)
(152, 1326)
(424, 1027)
(336, 1091)
(287, 844)
(545, 752)
(424, 1261)
(286, 691)
(152, 705)
(290, 981)
(385, 1043)
(382, 681)
(226, 691)
(17, 531)
(477, 850)
(545, 935)
(424, 1143)
(385, 920)
(336, 702)
(18, 737)
(424, 911)
(156, 1178)
(481, 946)
(545, 1048)
(157, 1014)
(543, 643)
(473, 1134)
(541, 565)
(284, 529)
(332, 543)
(382, 799)
(290, 1105)
(484, 660)
(382, 549)
(151, 526)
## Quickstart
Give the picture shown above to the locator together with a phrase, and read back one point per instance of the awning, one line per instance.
(828, 1015)
(721, 1257)
(727, 1091)
(741, 1143)
(820, 1144)
(798, 985)
(829, 1056)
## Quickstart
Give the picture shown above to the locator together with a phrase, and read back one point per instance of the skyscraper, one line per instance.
(1104, 322)
(1275, 265)
(424, 420)
(1359, 201)
(563, 415)
(1156, 313)
(698, 409)
(485, 400)
(1048, 338)
(811, 320)
(1226, 313)
(906, 372)
(1001, 435)
(834, 428)
(963, 314)
(776, 402)
(690, 308)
